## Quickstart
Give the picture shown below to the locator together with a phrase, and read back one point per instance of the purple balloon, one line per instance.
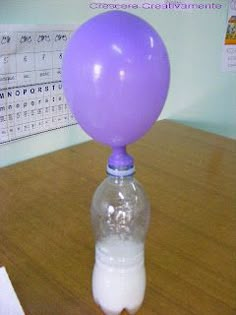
(116, 77)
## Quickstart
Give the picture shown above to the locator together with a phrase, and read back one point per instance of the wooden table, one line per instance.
(46, 241)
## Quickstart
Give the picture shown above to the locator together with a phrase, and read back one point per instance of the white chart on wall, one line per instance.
(31, 95)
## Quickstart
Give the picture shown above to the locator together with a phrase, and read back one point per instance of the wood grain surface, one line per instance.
(46, 240)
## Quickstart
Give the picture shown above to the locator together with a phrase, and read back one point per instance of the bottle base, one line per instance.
(116, 290)
(119, 277)
(129, 311)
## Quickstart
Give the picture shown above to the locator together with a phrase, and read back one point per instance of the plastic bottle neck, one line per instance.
(120, 163)
(121, 171)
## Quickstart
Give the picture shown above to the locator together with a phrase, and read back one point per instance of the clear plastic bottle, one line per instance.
(120, 214)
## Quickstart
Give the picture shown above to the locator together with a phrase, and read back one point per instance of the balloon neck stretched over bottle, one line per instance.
(120, 163)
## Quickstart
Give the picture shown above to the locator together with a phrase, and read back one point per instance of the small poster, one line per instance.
(229, 47)
(31, 94)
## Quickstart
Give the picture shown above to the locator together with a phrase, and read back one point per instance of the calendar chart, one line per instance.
(31, 95)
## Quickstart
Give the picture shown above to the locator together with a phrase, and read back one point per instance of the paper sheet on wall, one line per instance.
(31, 95)
(229, 46)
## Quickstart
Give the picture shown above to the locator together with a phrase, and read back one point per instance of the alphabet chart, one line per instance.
(31, 95)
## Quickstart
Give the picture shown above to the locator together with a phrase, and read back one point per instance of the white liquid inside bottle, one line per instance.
(119, 278)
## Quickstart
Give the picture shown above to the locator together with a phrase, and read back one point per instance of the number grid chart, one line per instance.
(31, 94)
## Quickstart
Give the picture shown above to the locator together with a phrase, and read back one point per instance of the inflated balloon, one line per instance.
(116, 77)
